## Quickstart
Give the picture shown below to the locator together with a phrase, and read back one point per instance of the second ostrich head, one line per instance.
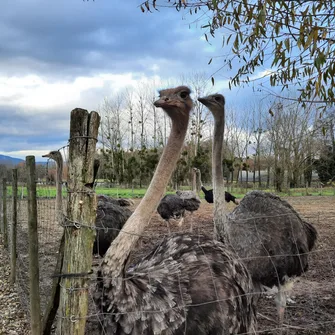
(215, 103)
(54, 155)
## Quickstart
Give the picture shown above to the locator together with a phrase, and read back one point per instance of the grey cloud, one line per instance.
(82, 38)
(23, 131)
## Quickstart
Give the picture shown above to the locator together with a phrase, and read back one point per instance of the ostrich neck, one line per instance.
(200, 181)
(59, 198)
(121, 247)
(220, 220)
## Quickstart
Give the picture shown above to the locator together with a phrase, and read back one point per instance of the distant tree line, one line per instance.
(278, 139)
(281, 137)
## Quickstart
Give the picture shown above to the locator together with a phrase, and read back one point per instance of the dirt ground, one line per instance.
(314, 294)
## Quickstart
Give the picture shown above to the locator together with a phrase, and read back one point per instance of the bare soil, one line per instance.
(314, 293)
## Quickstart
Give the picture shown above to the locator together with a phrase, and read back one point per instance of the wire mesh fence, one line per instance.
(311, 311)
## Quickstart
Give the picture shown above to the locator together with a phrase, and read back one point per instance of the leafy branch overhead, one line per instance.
(291, 42)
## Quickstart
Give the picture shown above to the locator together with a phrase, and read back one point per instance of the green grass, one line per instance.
(50, 192)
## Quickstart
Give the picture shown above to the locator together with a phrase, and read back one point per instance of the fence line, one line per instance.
(49, 240)
(22, 217)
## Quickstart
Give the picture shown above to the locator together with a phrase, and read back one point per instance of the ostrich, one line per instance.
(209, 193)
(110, 215)
(187, 284)
(173, 206)
(119, 202)
(57, 157)
(264, 230)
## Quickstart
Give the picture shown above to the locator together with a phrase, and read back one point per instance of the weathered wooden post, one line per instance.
(81, 214)
(13, 230)
(4, 212)
(34, 288)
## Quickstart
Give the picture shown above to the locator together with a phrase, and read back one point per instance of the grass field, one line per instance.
(50, 192)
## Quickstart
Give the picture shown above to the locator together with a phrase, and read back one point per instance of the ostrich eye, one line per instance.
(217, 98)
(184, 95)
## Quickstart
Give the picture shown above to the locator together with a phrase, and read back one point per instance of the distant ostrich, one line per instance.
(173, 206)
(57, 157)
(187, 284)
(110, 215)
(264, 230)
(209, 193)
(119, 201)
(109, 221)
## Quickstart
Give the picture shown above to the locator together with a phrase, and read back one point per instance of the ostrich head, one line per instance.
(215, 103)
(175, 99)
(55, 155)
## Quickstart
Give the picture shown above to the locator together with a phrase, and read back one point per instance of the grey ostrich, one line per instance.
(187, 284)
(173, 206)
(57, 157)
(104, 199)
(209, 193)
(110, 215)
(264, 230)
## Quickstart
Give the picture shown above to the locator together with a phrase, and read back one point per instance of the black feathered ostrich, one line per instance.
(110, 215)
(209, 193)
(174, 206)
(264, 230)
(187, 284)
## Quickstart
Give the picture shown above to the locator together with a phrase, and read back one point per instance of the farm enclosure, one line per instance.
(312, 313)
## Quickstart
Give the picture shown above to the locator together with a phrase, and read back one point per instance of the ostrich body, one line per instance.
(209, 196)
(264, 230)
(273, 240)
(209, 193)
(110, 215)
(173, 206)
(119, 201)
(186, 284)
(109, 221)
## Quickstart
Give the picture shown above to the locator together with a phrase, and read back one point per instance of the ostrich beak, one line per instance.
(46, 155)
(162, 102)
(205, 101)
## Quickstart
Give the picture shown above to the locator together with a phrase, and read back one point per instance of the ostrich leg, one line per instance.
(168, 226)
(283, 296)
(191, 219)
(281, 305)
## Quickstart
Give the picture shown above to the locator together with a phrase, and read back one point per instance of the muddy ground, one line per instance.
(314, 294)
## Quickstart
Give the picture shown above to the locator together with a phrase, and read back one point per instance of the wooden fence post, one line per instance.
(4, 212)
(34, 291)
(81, 214)
(13, 229)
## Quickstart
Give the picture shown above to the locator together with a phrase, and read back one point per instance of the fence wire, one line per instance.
(311, 311)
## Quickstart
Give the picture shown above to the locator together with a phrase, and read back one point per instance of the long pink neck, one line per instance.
(220, 221)
(121, 247)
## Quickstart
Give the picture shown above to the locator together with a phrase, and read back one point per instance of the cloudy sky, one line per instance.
(58, 55)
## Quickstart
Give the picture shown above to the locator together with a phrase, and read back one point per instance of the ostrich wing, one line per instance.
(170, 206)
(109, 221)
(264, 225)
(183, 273)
